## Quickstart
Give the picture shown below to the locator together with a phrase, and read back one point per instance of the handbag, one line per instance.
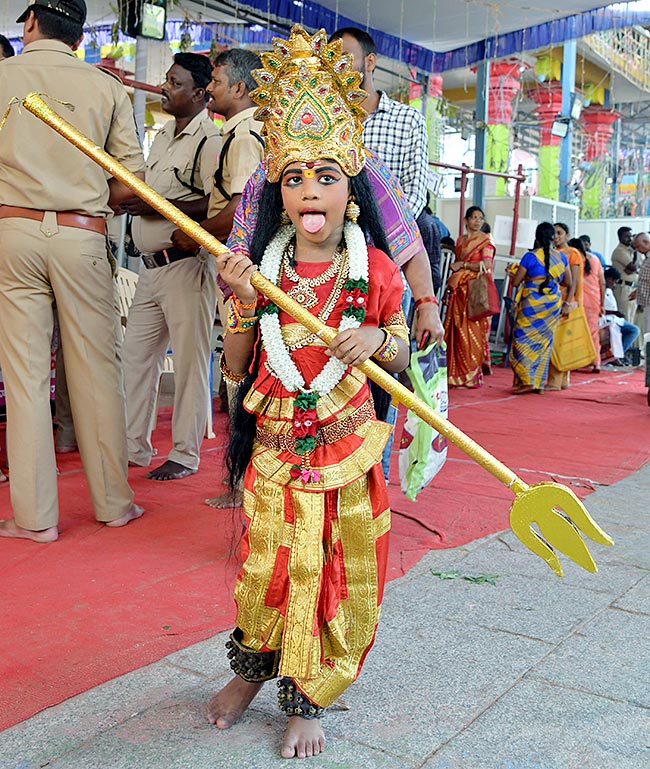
(483, 298)
(573, 346)
(423, 451)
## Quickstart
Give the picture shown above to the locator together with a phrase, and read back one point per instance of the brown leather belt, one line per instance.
(63, 218)
(327, 434)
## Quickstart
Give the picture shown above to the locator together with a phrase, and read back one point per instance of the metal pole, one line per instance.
(568, 89)
(463, 182)
(515, 209)
(480, 151)
(140, 97)
(613, 192)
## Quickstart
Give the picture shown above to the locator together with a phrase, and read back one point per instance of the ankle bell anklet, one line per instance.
(248, 664)
(292, 702)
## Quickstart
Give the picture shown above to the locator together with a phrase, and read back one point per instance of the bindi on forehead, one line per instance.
(309, 169)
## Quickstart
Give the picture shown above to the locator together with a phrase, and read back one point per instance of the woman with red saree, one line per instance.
(468, 354)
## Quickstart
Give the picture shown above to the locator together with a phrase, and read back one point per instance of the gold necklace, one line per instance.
(296, 340)
(304, 292)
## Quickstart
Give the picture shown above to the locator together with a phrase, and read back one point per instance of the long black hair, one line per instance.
(580, 246)
(544, 235)
(243, 423)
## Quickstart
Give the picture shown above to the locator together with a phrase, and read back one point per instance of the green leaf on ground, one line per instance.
(451, 574)
(482, 579)
(478, 579)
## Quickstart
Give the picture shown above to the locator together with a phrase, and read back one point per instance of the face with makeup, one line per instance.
(315, 196)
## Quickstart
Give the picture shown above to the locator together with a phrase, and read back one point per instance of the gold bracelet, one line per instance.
(229, 375)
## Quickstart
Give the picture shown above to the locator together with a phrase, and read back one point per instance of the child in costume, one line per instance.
(305, 434)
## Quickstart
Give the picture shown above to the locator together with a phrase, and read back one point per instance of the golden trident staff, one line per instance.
(555, 509)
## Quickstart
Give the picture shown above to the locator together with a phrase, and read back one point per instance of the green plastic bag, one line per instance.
(423, 451)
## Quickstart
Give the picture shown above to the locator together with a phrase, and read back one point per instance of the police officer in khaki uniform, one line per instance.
(53, 204)
(241, 153)
(175, 299)
(626, 261)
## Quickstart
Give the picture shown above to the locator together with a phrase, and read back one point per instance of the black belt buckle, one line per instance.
(149, 261)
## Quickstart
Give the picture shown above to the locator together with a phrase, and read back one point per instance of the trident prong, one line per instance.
(560, 516)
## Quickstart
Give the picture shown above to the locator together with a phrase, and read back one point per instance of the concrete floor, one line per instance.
(534, 672)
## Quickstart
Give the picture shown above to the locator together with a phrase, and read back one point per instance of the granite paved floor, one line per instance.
(533, 672)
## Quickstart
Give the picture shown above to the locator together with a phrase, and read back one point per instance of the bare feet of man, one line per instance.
(230, 499)
(11, 529)
(304, 737)
(228, 704)
(135, 511)
(169, 471)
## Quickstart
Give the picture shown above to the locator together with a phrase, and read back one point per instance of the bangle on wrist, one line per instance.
(229, 375)
(388, 350)
(237, 323)
(426, 300)
(241, 306)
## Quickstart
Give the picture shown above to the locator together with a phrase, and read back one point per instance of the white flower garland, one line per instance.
(279, 358)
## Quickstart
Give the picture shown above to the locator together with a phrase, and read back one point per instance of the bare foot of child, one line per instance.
(304, 737)
(230, 499)
(229, 703)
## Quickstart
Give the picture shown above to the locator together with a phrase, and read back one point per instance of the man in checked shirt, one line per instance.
(397, 133)
(641, 243)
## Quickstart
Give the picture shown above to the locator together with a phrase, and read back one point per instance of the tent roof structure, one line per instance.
(429, 34)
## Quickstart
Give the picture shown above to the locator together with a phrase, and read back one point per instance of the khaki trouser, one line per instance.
(65, 434)
(71, 266)
(175, 305)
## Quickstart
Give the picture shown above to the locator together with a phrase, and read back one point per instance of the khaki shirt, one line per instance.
(42, 170)
(168, 152)
(622, 256)
(244, 155)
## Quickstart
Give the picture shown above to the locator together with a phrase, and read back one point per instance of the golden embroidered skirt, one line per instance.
(312, 579)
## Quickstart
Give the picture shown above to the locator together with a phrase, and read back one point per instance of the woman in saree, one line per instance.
(593, 295)
(571, 297)
(468, 354)
(540, 274)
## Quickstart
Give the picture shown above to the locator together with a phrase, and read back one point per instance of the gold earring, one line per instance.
(284, 218)
(352, 211)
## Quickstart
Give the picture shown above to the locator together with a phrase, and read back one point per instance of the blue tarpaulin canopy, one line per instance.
(431, 35)
(440, 35)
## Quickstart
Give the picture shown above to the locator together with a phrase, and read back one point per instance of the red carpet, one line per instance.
(101, 602)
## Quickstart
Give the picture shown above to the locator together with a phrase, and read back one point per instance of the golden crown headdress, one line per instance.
(310, 103)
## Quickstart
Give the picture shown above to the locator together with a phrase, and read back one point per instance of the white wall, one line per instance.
(603, 232)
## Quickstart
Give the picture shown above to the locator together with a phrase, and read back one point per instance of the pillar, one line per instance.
(548, 98)
(480, 149)
(598, 125)
(568, 88)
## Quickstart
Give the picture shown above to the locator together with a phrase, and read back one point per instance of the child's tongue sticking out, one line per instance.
(313, 222)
